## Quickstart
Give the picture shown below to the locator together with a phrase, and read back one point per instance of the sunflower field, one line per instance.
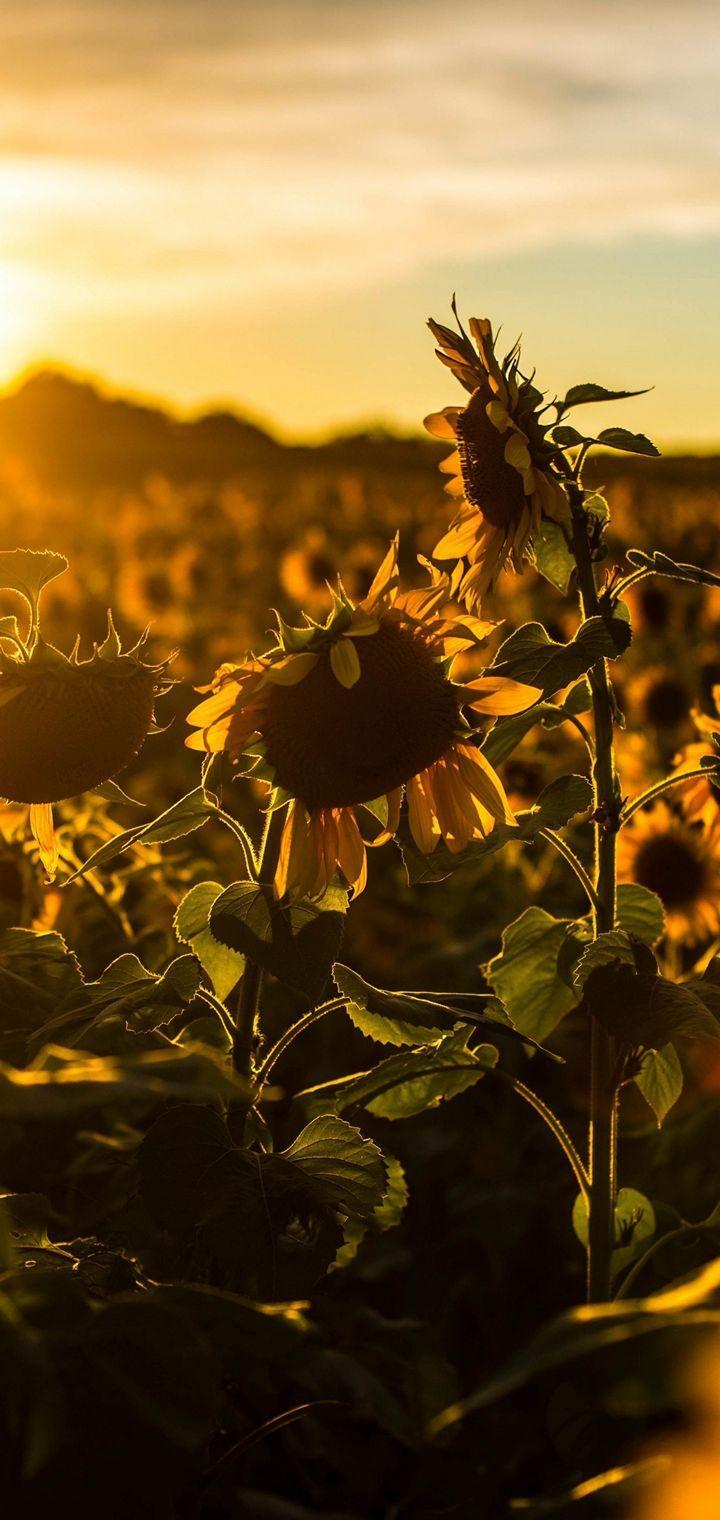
(359, 962)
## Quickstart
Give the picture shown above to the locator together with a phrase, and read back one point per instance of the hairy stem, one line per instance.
(568, 855)
(603, 1085)
(663, 786)
(249, 994)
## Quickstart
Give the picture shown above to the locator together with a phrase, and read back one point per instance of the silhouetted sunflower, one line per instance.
(350, 712)
(699, 799)
(68, 725)
(501, 463)
(661, 852)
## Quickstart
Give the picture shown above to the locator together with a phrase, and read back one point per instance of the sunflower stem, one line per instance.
(602, 1156)
(249, 995)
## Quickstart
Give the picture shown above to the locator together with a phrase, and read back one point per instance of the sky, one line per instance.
(259, 202)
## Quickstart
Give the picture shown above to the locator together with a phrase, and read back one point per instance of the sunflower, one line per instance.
(350, 712)
(699, 798)
(69, 725)
(677, 862)
(500, 465)
(660, 698)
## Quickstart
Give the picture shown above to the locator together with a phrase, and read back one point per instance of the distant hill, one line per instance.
(73, 434)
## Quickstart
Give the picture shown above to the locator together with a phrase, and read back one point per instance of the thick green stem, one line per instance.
(603, 1084)
(249, 994)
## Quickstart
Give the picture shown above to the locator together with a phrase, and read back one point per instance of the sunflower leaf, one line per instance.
(341, 1168)
(660, 1080)
(190, 813)
(553, 556)
(26, 571)
(296, 943)
(61, 1084)
(530, 654)
(525, 974)
(661, 564)
(627, 442)
(589, 392)
(412, 1081)
(410, 1018)
(192, 925)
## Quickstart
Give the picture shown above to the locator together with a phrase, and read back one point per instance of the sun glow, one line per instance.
(20, 319)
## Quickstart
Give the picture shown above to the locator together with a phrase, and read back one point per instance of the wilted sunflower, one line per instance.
(677, 861)
(501, 463)
(68, 725)
(350, 712)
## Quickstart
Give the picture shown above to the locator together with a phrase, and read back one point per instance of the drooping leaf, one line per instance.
(297, 943)
(37, 970)
(223, 965)
(412, 1018)
(553, 556)
(386, 1216)
(623, 990)
(61, 1085)
(411, 1081)
(525, 974)
(530, 654)
(660, 1080)
(184, 817)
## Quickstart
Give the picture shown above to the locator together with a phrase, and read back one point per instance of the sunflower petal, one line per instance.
(43, 830)
(499, 696)
(345, 663)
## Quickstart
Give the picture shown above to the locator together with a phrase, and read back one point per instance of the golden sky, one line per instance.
(260, 203)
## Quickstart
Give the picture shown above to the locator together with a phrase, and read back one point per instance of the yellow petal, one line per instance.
(351, 851)
(43, 829)
(443, 424)
(484, 783)
(298, 855)
(362, 625)
(214, 707)
(499, 695)
(451, 464)
(421, 814)
(293, 669)
(345, 663)
(517, 453)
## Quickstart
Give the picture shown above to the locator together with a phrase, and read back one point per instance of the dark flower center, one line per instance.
(491, 484)
(62, 735)
(671, 866)
(332, 746)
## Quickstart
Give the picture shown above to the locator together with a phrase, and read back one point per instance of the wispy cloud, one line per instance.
(162, 155)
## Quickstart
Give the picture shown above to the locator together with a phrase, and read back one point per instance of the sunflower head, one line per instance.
(678, 862)
(346, 713)
(501, 464)
(67, 725)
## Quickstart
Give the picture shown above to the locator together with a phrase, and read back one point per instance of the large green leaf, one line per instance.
(660, 1080)
(531, 655)
(411, 1081)
(640, 912)
(525, 973)
(553, 556)
(342, 1168)
(37, 970)
(562, 800)
(411, 1018)
(192, 925)
(184, 817)
(622, 989)
(61, 1085)
(634, 1226)
(297, 943)
(125, 992)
